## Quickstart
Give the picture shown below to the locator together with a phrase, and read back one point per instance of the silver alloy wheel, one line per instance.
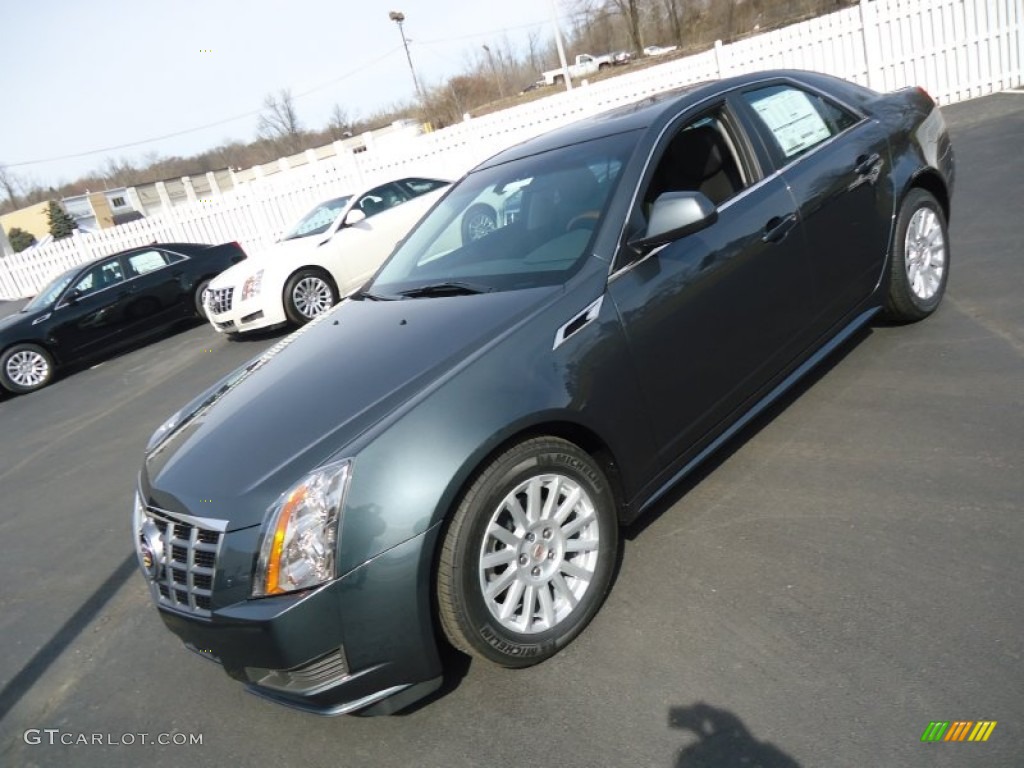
(539, 553)
(925, 249)
(312, 296)
(480, 225)
(27, 368)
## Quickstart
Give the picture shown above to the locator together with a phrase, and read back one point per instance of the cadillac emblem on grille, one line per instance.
(151, 550)
(178, 556)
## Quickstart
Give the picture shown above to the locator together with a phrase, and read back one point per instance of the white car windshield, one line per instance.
(525, 223)
(318, 220)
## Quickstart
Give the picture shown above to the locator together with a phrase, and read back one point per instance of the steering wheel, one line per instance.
(587, 218)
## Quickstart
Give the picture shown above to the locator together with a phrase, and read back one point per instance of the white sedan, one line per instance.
(328, 254)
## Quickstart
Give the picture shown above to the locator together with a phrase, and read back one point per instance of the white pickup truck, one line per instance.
(585, 65)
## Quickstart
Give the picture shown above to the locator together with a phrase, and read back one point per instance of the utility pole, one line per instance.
(561, 48)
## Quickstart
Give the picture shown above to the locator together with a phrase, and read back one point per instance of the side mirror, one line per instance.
(675, 215)
(354, 216)
(73, 296)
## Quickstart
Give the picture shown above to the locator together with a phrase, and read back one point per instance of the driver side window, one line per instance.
(99, 277)
(381, 198)
(701, 157)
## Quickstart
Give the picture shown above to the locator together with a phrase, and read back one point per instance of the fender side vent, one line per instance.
(579, 322)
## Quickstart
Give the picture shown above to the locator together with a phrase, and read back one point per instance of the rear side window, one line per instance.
(797, 120)
(146, 261)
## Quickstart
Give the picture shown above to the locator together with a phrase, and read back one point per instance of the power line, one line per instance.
(185, 131)
(252, 113)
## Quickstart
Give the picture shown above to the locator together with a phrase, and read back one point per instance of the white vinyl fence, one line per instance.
(956, 49)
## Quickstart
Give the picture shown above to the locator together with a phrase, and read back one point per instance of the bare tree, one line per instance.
(674, 15)
(341, 125)
(279, 122)
(9, 185)
(630, 10)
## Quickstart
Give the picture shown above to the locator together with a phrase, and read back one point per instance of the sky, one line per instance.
(79, 76)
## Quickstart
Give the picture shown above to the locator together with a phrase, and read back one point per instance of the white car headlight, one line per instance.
(300, 535)
(252, 285)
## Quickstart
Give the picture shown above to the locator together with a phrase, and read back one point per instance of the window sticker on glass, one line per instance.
(146, 262)
(793, 118)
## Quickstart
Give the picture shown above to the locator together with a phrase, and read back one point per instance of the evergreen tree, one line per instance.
(61, 225)
(20, 239)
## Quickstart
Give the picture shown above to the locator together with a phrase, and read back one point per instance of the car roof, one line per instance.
(651, 111)
(188, 249)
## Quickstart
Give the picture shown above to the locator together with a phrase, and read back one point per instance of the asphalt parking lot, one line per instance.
(847, 571)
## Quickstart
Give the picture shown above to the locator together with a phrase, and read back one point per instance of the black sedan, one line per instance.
(450, 452)
(104, 304)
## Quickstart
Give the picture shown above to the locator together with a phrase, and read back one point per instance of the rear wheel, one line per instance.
(25, 368)
(919, 268)
(529, 554)
(308, 293)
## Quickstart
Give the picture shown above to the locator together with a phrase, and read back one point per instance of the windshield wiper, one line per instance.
(372, 296)
(447, 288)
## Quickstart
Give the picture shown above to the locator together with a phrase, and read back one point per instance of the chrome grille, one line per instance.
(219, 300)
(189, 561)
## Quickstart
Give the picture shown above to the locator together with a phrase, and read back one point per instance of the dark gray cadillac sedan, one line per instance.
(448, 455)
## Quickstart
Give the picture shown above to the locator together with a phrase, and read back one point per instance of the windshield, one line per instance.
(522, 224)
(49, 294)
(319, 219)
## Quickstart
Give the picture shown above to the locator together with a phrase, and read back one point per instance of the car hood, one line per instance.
(235, 449)
(279, 256)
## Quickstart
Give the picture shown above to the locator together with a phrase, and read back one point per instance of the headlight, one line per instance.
(251, 286)
(301, 533)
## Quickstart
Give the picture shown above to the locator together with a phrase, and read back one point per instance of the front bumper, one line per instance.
(364, 642)
(227, 314)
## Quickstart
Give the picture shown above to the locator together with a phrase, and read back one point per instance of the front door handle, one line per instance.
(778, 227)
(867, 164)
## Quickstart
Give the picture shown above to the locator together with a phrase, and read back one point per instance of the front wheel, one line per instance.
(528, 555)
(479, 221)
(919, 269)
(308, 293)
(25, 368)
(199, 299)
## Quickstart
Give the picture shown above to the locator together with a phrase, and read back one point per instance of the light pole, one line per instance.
(494, 72)
(398, 17)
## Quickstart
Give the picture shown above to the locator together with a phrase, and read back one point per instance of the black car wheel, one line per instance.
(479, 221)
(308, 293)
(919, 269)
(528, 555)
(25, 368)
(199, 299)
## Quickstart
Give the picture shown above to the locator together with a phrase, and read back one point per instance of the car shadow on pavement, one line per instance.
(37, 666)
(737, 441)
(455, 666)
(722, 741)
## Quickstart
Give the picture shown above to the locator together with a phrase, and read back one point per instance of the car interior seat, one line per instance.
(698, 160)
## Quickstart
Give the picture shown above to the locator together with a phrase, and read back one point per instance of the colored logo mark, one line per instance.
(958, 730)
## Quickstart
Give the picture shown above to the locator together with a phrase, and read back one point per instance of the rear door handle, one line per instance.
(867, 164)
(778, 227)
